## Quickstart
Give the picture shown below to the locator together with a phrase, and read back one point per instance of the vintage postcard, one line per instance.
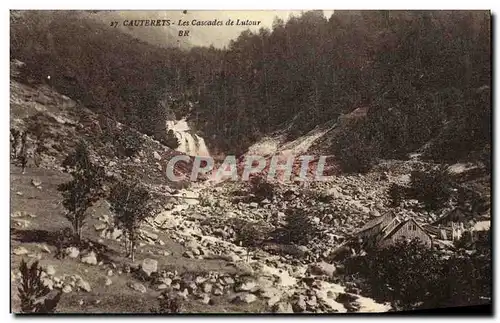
(324, 161)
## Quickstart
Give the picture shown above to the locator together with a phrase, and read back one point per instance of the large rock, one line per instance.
(333, 193)
(100, 226)
(67, 289)
(50, 270)
(19, 251)
(90, 258)
(322, 268)
(149, 266)
(245, 286)
(138, 287)
(246, 298)
(156, 155)
(243, 268)
(283, 307)
(83, 285)
(72, 252)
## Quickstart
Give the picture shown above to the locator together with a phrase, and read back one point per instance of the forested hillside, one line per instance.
(415, 71)
(424, 77)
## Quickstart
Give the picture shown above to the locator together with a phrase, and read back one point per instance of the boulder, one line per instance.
(90, 258)
(162, 287)
(149, 266)
(19, 251)
(138, 287)
(100, 226)
(36, 183)
(245, 286)
(206, 287)
(67, 289)
(83, 285)
(47, 282)
(72, 252)
(300, 304)
(322, 268)
(246, 298)
(50, 270)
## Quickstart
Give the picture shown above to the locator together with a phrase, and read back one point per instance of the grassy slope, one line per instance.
(45, 204)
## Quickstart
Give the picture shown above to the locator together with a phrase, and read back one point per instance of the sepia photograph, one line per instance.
(250, 162)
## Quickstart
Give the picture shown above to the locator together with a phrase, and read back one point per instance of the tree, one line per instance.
(299, 227)
(252, 235)
(396, 194)
(402, 274)
(84, 190)
(33, 293)
(411, 276)
(131, 203)
(432, 186)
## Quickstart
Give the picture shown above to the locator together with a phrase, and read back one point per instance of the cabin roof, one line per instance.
(448, 215)
(375, 221)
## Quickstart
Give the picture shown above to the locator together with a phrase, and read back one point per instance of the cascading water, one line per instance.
(189, 143)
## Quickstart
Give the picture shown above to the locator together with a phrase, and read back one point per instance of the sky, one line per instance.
(218, 36)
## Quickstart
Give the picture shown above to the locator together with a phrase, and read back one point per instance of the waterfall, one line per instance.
(189, 142)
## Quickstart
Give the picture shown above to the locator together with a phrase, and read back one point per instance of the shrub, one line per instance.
(168, 304)
(261, 189)
(33, 293)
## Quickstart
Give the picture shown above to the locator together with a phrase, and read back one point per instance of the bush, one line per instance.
(33, 293)
(299, 227)
(168, 304)
(261, 189)
(130, 144)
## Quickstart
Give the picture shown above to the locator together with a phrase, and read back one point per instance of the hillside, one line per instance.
(402, 222)
(36, 221)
